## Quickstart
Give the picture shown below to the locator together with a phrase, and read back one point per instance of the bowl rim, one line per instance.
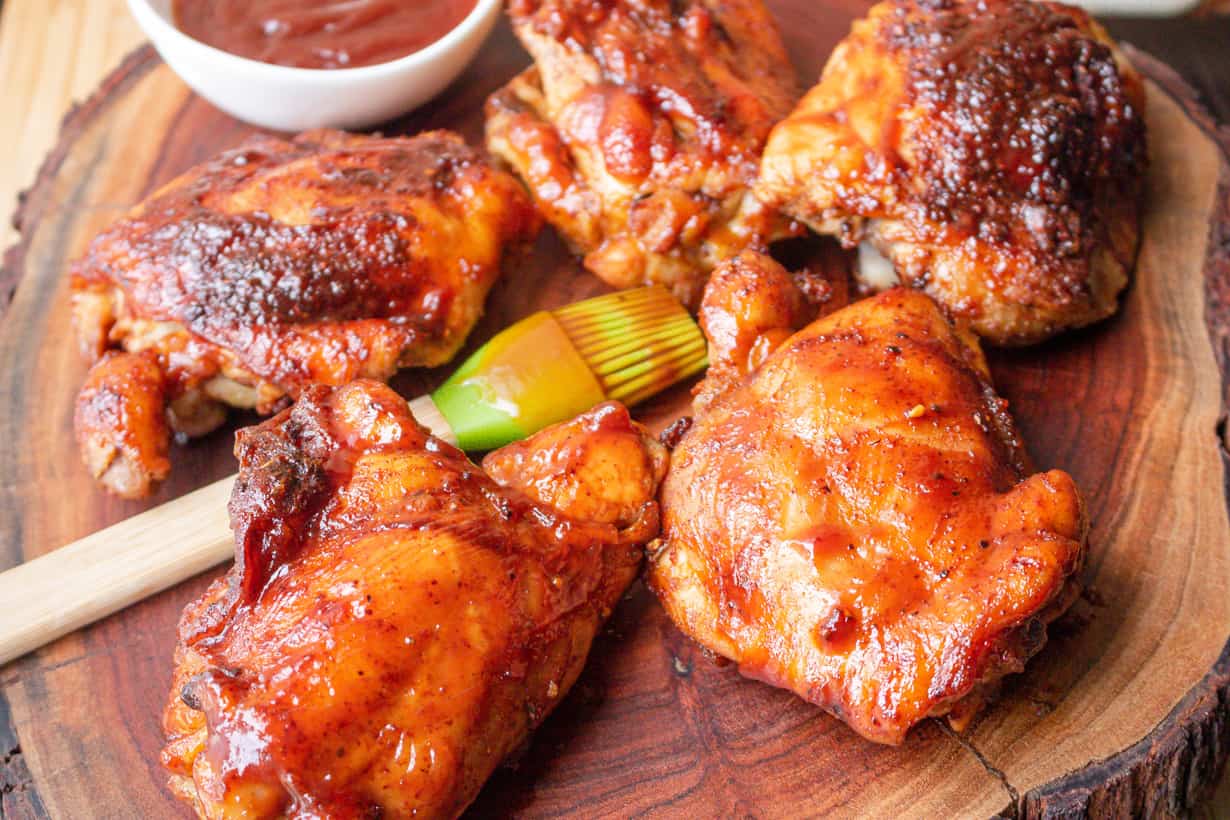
(159, 28)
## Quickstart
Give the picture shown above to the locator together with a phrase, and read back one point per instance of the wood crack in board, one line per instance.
(1014, 796)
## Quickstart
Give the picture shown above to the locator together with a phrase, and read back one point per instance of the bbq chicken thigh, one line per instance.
(279, 265)
(993, 150)
(639, 130)
(854, 518)
(398, 620)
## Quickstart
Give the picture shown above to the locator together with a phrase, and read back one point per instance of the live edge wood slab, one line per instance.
(1125, 711)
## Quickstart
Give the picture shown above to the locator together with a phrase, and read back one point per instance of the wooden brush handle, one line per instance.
(127, 562)
(89, 579)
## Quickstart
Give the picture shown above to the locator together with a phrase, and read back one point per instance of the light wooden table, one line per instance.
(54, 53)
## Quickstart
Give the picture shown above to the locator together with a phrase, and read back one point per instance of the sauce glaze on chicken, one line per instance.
(398, 620)
(993, 150)
(283, 264)
(852, 515)
(639, 130)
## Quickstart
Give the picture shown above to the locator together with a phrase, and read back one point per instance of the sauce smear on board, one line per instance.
(320, 33)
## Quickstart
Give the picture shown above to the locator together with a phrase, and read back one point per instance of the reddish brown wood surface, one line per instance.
(1125, 710)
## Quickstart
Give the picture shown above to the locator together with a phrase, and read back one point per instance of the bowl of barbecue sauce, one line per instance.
(291, 65)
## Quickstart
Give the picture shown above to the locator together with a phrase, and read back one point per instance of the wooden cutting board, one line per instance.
(1126, 709)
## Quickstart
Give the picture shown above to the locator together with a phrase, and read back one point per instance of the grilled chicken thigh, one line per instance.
(853, 516)
(993, 151)
(398, 619)
(639, 130)
(279, 265)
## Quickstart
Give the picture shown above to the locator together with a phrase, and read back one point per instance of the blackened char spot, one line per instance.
(1026, 114)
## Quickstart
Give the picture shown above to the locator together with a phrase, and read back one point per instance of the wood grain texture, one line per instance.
(1125, 709)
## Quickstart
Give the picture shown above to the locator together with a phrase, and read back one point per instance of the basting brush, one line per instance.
(546, 368)
(555, 364)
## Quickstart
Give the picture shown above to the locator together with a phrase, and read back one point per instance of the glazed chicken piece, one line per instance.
(855, 518)
(121, 422)
(398, 620)
(639, 130)
(993, 151)
(279, 265)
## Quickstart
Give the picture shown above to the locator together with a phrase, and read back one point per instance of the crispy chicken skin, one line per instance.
(283, 264)
(398, 619)
(855, 519)
(993, 150)
(639, 130)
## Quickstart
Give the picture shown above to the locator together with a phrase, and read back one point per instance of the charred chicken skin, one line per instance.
(854, 517)
(280, 265)
(993, 150)
(639, 130)
(398, 619)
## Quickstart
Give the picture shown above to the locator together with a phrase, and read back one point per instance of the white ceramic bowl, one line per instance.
(295, 99)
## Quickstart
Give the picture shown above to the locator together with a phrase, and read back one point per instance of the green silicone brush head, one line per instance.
(636, 342)
(555, 364)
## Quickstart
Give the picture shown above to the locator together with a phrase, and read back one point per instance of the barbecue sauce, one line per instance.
(320, 33)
